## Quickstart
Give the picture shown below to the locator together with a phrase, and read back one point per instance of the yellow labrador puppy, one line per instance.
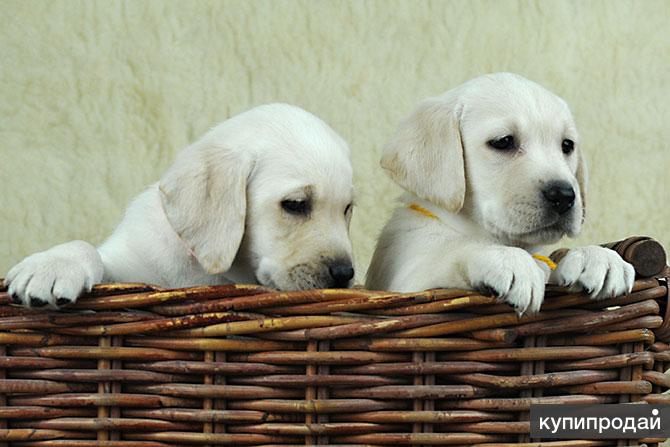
(265, 197)
(493, 171)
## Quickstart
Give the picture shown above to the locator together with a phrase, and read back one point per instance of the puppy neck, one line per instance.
(460, 223)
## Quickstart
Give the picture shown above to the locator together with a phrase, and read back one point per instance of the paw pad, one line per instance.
(36, 302)
(487, 290)
(63, 301)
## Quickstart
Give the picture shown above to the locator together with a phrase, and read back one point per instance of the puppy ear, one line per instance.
(204, 198)
(426, 154)
(582, 179)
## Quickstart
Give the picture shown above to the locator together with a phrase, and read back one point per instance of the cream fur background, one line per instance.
(96, 97)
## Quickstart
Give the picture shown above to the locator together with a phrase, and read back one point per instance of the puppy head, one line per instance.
(266, 195)
(503, 150)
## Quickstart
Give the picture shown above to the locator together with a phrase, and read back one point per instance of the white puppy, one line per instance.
(265, 197)
(494, 171)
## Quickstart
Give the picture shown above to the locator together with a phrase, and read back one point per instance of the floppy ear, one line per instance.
(426, 154)
(204, 198)
(582, 179)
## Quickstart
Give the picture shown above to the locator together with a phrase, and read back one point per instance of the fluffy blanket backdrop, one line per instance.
(97, 96)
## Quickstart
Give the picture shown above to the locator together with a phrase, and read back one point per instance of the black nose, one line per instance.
(560, 195)
(341, 272)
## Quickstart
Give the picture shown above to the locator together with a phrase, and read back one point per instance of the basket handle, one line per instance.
(645, 254)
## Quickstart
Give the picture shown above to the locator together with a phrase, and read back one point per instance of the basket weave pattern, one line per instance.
(136, 366)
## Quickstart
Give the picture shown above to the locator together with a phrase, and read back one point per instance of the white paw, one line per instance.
(599, 271)
(55, 277)
(510, 273)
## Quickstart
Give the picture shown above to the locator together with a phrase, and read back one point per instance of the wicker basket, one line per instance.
(137, 366)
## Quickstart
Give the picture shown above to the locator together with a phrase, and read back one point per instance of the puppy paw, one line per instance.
(55, 277)
(599, 271)
(510, 274)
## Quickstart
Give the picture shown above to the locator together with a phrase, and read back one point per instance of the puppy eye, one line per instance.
(505, 143)
(568, 146)
(347, 209)
(295, 206)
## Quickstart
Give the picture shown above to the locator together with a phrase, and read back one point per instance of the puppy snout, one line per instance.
(559, 195)
(341, 272)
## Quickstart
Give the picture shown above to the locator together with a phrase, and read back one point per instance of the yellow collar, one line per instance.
(421, 210)
(551, 264)
(429, 214)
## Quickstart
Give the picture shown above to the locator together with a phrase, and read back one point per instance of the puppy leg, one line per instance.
(55, 277)
(509, 273)
(599, 271)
